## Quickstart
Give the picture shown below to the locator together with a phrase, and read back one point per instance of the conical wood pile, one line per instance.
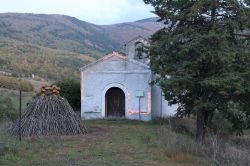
(49, 115)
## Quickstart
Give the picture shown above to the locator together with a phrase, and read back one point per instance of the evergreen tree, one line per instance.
(202, 62)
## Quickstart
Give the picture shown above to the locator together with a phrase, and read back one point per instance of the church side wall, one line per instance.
(160, 107)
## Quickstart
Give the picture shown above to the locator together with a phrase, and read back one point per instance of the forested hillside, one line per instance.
(124, 32)
(56, 31)
(56, 46)
(26, 59)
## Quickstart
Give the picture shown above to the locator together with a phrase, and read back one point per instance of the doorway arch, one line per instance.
(115, 102)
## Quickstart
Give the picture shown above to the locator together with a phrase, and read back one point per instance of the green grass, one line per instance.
(108, 142)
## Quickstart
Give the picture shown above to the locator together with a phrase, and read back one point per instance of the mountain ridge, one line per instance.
(60, 38)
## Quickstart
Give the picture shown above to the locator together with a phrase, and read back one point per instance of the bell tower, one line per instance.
(137, 49)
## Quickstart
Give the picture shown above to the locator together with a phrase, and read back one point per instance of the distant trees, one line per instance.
(70, 89)
(202, 64)
(26, 59)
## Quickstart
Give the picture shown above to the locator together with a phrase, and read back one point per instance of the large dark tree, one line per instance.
(202, 62)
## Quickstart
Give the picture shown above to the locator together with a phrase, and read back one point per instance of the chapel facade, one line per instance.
(118, 86)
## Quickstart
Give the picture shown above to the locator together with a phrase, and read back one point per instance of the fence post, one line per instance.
(20, 116)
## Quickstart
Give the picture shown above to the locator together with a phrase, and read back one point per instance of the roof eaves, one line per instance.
(106, 57)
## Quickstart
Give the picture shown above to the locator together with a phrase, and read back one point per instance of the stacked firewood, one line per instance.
(47, 90)
(49, 115)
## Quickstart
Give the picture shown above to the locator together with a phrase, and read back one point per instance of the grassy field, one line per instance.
(126, 142)
(108, 142)
(14, 96)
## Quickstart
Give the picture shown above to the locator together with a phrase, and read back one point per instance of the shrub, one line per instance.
(220, 124)
(238, 117)
(7, 110)
(70, 89)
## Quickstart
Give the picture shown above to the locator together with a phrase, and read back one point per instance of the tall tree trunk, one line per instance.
(201, 125)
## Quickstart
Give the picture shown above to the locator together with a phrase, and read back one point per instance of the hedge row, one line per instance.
(15, 84)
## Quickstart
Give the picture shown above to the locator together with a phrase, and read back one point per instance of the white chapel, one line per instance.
(118, 86)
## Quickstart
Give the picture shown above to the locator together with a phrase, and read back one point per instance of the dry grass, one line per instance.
(231, 151)
(180, 147)
(87, 58)
(178, 138)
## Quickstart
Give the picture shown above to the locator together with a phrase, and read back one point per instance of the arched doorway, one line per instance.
(115, 102)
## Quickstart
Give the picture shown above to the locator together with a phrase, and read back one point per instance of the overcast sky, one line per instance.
(94, 11)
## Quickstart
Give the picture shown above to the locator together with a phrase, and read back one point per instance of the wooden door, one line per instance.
(115, 103)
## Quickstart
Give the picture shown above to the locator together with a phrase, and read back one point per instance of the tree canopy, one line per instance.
(71, 90)
(202, 64)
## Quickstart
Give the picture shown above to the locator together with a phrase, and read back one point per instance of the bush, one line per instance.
(238, 117)
(220, 124)
(7, 110)
(71, 90)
